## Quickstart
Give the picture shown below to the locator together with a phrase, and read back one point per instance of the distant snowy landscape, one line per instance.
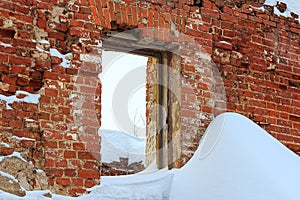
(116, 144)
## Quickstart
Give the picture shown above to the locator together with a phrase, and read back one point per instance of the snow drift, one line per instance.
(237, 159)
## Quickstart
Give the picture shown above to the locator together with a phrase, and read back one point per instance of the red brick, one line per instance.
(5, 151)
(89, 183)
(76, 191)
(229, 18)
(85, 156)
(51, 92)
(77, 181)
(78, 146)
(50, 144)
(79, 32)
(57, 35)
(52, 134)
(70, 172)
(69, 154)
(9, 79)
(15, 124)
(3, 68)
(90, 165)
(57, 117)
(27, 134)
(63, 181)
(89, 173)
(28, 144)
(49, 162)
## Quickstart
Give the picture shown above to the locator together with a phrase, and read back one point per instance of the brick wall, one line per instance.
(256, 52)
(52, 137)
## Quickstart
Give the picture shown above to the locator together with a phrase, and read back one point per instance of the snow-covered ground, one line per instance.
(236, 159)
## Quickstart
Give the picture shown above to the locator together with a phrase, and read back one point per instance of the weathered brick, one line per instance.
(258, 82)
(88, 173)
(63, 181)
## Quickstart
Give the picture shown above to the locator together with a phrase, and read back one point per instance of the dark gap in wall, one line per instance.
(294, 118)
(198, 3)
(282, 87)
(293, 83)
(7, 33)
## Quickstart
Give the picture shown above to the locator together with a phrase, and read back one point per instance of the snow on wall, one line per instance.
(22, 138)
(28, 98)
(292, 6)
(15, 154)
(4, 144)
(8, 176)
(66, 58)
(5, 44)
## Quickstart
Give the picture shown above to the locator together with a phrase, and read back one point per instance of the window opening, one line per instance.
(123, 111)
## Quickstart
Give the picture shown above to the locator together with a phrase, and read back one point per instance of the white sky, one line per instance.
(123, 88)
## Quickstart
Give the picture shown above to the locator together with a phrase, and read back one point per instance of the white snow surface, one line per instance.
(292, 6)
(4, 144)
(116, 144)
(225, 42)
(41, 50)
(44, 42)
(29, 98)
(66, 58)
(8, 176)
(15, 154)
(5, 44)
(236, 159)
(21, 138)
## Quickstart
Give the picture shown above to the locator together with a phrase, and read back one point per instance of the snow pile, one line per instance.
(152, 186)
(116, 144)
(237, 159)
(35, 195)
(28, 98)
(292, 6)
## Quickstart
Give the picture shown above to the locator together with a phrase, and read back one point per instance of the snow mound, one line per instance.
(153, 186)
(116, 144)
(237, 159)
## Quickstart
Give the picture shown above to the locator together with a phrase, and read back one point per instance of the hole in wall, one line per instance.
(123, 103)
